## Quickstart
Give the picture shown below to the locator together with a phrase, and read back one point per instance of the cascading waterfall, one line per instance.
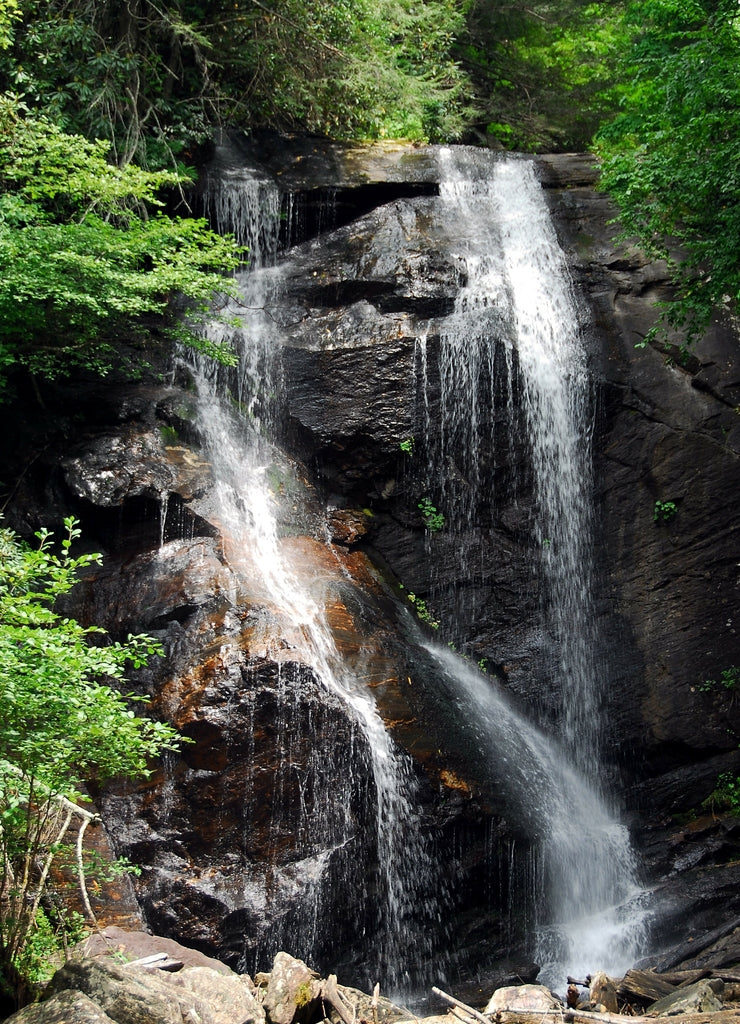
(510, 359)
(515, 330)
(243, 457)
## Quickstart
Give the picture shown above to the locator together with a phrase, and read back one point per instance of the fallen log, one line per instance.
(585, 1017)
(649, 987)
(463, 1006)
(576, 1016)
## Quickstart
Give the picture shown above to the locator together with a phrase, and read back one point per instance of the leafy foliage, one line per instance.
(154, 79)
(543, 72)
(86, 252)
(664, 511)
(728, 680)
(434, 520)
(725, 796)
(670, 159)
(62, 722)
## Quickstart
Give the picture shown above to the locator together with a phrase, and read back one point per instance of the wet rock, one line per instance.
(347, 526)
(522, 997)
(356, 320)
(111, 470)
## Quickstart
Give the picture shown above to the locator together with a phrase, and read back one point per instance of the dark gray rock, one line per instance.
(357, 303)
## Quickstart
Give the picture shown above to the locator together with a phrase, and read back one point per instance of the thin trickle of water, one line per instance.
(514, 337)
(237, 425)
(164, 501)
(587, 907)
(248, 208)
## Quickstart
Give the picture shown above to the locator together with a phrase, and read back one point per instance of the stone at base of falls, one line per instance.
(139, 995)
(703, 997)
(66, 1008)
(291, 986)
(522, 997)
(368, 1008)
(125, 995)
(292, 992)
(99, 991)
(123, 945)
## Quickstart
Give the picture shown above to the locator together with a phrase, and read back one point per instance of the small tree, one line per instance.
(87, 256)
(62, 722)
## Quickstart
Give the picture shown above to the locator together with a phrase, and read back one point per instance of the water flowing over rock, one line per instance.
(393, 470)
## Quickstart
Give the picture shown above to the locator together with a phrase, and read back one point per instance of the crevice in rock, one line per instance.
(316, 211)
(381, 294)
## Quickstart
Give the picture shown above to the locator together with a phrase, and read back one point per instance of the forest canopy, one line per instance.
(670, 159)
(656, 80)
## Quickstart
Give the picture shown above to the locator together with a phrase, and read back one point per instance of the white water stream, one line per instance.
(516, 316)
(247, 503)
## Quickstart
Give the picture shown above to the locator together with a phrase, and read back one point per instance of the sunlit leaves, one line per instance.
(670, 160)
(543, 71)
(84, 250)
(62, 718)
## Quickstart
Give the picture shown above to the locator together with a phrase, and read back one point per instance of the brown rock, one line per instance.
(292, 986)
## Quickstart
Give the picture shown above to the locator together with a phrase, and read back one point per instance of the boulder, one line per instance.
(522, 997)
(133, 945)
(66, 1007)
(131, 995)
(701, 997)
(228, 996)
(291, 987)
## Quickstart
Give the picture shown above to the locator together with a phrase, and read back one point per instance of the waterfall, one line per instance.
(512, 375)
(513, 340)
(236, 418)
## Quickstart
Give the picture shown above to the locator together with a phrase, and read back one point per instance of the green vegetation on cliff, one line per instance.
(85, 251)
(659, 78)
(63, 722)
(670, 158)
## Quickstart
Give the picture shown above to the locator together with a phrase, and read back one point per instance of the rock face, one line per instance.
(263, 833)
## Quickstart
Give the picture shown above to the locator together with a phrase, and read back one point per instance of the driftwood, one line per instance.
(648, 987)
(331, 994)
(574, 1016)
(463, 1006)
(730, 1016)
(157, 961)
(569, 1016)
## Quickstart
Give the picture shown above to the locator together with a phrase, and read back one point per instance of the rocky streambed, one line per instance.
(123, 977)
